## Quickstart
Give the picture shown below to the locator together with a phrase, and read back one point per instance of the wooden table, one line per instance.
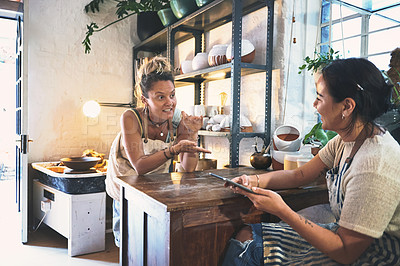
(187, 218)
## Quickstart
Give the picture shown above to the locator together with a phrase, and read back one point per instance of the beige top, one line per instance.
(371, 185)
(119, 164)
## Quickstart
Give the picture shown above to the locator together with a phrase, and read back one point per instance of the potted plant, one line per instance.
(318, 137)
(148, 20)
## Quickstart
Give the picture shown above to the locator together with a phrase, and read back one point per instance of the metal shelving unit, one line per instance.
(194, 26)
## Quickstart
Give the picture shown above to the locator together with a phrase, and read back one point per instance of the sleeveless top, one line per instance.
(119, 164)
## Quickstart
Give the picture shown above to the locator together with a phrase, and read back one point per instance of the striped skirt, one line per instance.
(284, 246)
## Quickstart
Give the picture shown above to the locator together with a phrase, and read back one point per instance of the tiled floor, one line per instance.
(45, 247)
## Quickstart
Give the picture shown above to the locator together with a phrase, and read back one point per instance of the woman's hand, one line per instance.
(243, 179)
(187, 146)
(264, 199)
(192, 123)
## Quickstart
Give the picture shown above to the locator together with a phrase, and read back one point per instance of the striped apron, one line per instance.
(284, 246)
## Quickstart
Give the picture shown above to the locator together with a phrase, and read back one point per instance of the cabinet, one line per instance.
(194, 26)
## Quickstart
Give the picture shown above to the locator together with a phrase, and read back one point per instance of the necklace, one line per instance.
(158, 125)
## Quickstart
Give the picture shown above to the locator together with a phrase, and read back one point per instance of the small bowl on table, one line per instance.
(80, 163)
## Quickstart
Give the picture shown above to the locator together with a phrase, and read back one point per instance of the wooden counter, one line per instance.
(188, 218)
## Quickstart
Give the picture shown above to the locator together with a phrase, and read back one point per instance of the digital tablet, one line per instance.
(233, 183)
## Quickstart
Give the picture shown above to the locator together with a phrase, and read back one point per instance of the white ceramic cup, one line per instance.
(287, 145)
(186, 66)
(212, 110)
(199, 110)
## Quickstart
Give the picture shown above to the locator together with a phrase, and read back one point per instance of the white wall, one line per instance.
(61, 77)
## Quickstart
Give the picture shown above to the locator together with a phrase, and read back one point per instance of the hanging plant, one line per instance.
(125, 9)
(319, 61)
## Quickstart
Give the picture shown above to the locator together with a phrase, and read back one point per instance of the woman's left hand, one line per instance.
(192, 123)
(265, 200)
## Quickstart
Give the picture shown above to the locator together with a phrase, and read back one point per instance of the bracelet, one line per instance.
(168, 158)
(258, 181)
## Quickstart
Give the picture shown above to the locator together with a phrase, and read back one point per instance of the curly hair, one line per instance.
(157, 69)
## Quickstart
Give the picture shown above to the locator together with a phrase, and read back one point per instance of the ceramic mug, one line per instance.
(199, 110)
(212, 110)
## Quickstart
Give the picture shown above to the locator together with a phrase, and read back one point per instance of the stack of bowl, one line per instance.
(286, 142)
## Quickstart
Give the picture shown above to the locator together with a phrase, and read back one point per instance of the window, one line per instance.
(361, 28)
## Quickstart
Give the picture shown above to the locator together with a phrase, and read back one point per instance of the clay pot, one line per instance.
(217, 55)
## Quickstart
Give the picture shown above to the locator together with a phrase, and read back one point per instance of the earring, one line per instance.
(342, 116)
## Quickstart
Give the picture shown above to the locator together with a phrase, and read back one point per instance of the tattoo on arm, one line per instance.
(306, 221)
(323, 172)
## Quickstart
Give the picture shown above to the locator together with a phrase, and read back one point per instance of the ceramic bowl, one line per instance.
(80, 163)
(200, 61)
(248, 52)
(286, 138)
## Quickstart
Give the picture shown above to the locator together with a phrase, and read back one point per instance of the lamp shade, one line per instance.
(91, 108)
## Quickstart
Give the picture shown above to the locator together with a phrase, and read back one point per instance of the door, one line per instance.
(21, 169)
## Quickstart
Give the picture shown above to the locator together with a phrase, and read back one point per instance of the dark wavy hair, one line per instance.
(361, 80)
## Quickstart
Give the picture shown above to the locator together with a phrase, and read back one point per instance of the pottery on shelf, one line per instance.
(200, 61)
(217, 55)
(186, 66)
(201, 3)
(182, 8)
(248, 52)
(148, 23)
(167, 17)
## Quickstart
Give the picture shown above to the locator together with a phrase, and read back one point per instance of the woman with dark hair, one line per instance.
(362, 174)
(147, 143)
